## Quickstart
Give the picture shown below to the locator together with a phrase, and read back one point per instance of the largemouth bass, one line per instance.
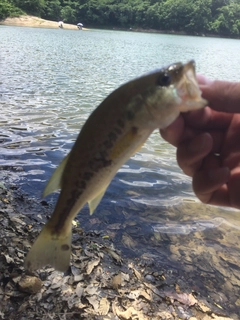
(115, 130)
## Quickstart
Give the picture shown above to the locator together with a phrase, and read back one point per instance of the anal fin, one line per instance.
(55, 181)
(95, 201)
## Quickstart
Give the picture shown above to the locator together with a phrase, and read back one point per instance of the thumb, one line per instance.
(222, 96)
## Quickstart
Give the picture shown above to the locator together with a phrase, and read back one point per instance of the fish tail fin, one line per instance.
(50, 249)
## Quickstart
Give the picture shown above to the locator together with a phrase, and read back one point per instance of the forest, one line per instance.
(216, 17)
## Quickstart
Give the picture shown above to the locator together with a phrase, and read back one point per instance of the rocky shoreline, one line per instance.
(101, 283)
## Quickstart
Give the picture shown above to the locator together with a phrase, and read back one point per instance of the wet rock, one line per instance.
(44, 203)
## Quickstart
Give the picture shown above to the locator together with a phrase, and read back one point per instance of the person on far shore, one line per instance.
(208, 143)
(79, 25)
(60, 24)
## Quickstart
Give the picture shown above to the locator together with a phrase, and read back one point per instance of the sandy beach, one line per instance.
(35, 22)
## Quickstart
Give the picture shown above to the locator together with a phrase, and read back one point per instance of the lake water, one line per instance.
(51, 80)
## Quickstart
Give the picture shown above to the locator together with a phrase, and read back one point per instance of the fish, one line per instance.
(113, 133)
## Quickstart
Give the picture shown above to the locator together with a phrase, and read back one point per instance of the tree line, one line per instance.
(217, 17)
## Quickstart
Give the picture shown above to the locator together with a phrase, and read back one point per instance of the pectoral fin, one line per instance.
(94, 202)
(55, 181)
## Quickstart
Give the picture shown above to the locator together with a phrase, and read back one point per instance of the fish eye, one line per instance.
(164, 80)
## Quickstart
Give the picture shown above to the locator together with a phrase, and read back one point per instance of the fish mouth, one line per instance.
(188, 89)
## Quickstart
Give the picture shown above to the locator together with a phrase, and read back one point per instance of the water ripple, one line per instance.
(192, 226)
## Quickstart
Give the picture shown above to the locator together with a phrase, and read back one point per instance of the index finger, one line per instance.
(190, 124)
(207, 119)
(174, 132)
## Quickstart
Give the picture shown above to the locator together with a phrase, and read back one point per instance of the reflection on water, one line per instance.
(50, 83)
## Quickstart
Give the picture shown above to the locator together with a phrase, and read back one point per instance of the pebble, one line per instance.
(149, 278)
(30, 284)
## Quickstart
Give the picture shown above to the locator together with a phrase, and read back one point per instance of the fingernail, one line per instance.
(219, 174)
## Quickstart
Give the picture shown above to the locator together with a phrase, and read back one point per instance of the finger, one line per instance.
(220, 197)
(207, 118)
(226, 195)
(222, 95)
(202, 80)
(199, 118)
(231, 147)
(210, 186)
(234, 187)
(173, 133)
(187, 125)
(190, 154)
(233, 159)
(179, 132)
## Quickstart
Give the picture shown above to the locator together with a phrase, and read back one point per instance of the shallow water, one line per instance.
(50, 82)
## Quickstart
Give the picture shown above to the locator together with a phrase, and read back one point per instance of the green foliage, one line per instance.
(52, 10)
(220, 17)
(68, 14)
(7, 9)
(33, 7)
(175, 14)
(200, 16)
(227, 20)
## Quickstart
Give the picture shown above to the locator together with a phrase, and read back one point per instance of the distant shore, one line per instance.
(35, 22)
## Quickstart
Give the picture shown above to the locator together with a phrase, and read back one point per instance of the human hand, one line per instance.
(208, 144)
